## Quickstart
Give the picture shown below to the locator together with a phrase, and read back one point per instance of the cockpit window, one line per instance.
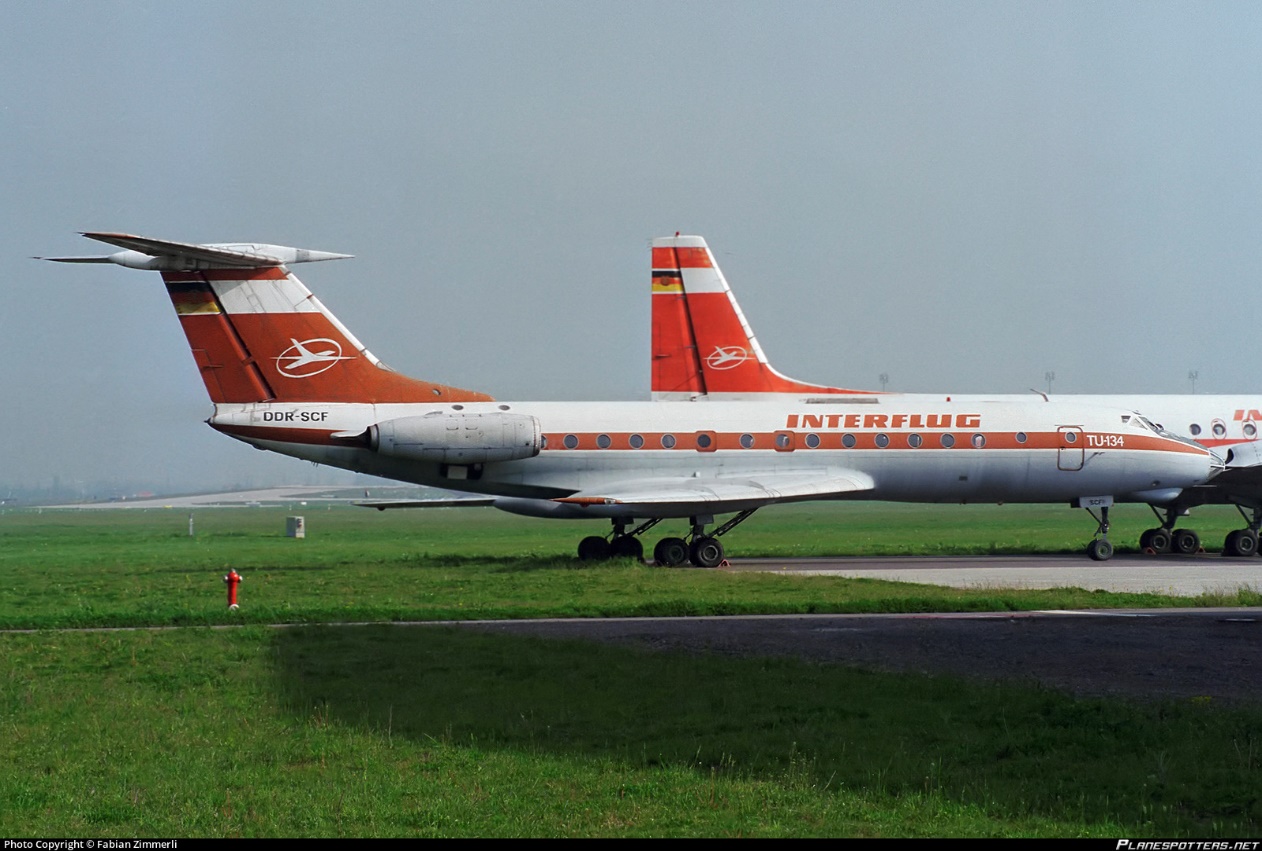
(1145, 423)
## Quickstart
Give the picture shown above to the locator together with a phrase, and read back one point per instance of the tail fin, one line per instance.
(702, 344)
(257, 333)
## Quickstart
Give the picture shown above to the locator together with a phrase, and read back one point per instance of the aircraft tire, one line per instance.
(626, 546)
(1158, 540)
(670, 552)
(706, 552)
(1100, 550)
(1241, 543)
(593, 548)
(1186, 541)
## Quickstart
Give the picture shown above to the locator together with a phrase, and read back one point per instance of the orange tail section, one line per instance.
(259, 335)
(702, 344)
(677, 372)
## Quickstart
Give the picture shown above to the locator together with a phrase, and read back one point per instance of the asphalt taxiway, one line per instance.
(1177, 575)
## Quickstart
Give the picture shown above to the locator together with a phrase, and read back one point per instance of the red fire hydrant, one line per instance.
(232, 580)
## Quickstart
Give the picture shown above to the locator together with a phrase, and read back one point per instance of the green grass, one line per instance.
(384, 730)
(123, 568)
(388, 731)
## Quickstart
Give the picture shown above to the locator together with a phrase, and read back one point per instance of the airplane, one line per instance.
(251, 325)
(703, 349)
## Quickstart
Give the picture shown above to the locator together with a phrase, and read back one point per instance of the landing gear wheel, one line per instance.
(1186, 541)
(593, 548)
(1158, 540)
(1241, 543)
(670, 552)
(626, 546)
(1155, 539)
(706, 552)
(1100, 550)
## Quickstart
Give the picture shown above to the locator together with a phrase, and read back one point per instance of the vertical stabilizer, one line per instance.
(702, 344)
(258, 334)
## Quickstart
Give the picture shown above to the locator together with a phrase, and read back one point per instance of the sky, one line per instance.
(960, 196)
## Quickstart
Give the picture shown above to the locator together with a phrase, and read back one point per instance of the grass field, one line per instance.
(385, 730)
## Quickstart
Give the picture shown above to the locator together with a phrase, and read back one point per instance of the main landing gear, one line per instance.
(1243, 543)
(1166, 539)
(699, 548)
(619, 544)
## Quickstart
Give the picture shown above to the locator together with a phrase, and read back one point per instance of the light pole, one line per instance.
(884, 378)
(1192, 376)
(1050, 376)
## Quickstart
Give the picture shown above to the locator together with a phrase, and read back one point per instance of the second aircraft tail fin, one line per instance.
(702, 344)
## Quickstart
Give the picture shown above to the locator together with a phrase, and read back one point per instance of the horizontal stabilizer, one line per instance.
(141, 252)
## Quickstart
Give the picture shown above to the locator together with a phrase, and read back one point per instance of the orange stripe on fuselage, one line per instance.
(765, 440)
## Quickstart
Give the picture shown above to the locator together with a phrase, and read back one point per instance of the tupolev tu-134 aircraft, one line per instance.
(285, 375)
(703, 349)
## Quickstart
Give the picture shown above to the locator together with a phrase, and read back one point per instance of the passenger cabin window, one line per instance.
(668, 441)
(570, 441)
(747, 441)
(636, 441)
(812, 441)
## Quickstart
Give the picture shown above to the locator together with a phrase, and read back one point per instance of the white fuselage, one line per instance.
(921, 449)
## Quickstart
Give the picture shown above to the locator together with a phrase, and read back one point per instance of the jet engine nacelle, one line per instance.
(458, 438)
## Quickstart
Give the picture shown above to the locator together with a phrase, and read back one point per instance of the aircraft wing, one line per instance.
(737, 491)
(455, 502)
